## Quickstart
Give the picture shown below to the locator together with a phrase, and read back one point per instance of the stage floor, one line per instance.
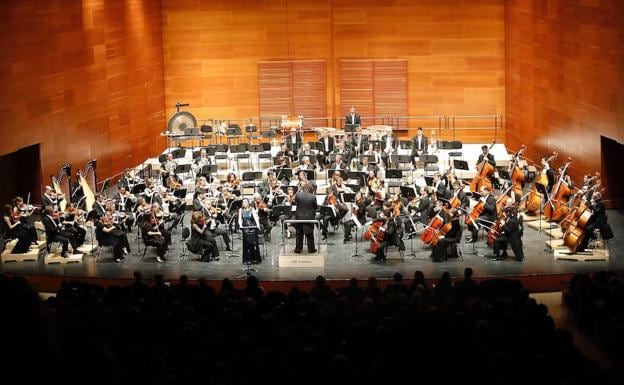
(339, 265)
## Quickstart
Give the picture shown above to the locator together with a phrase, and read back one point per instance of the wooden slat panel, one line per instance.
(356, 87)
(390, 87)
(309, 88)
(274, 88)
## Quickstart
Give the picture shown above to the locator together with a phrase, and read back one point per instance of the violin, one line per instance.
(484, 172)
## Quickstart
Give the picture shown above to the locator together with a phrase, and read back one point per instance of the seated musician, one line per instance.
(487, 216)
(379, 194)
(201, 240)
(127, 180)
(281, 165)
(358, 211)
(338, 187)
(157, 213)
(420, 208)
(168, 167)
(390, 144)
(419, 145)
(391, 228)
(55, 232)
(598, 220)
(440, 251)
(305, 164)
(366, 166)
(142, 211)
(341, 149)
(353, 117)
(232, 183)
(51, 198)
(263, 215)
(16, 230)
(293, 140)
(458, 191)
(302, 180)
(124, 202)
(71, 223)
(200, 162)
(305, 151)
(359, 142)
(119, 217)
(213, 218)
(510, 235)
(289, 200)
(286, 153)
(325, 147)
(438, 186)
(25, 212)
(202, 186)
(274, 191)
(339, 209)
(108, 235)
(150, 231)
(375, 151)
(339, 164)
(150, 189)
(173, 183)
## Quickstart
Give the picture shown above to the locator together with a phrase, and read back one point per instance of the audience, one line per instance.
(186, 332)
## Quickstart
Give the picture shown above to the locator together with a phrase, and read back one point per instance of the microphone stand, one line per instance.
(249, 267)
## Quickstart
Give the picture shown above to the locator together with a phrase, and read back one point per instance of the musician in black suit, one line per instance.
(438, 186)
(51, 198)
(389, 145)
(293, 140)
(54, 233)
(339, 164)
(392, 226)
(367, 167)
(325, 146)
(439, 252)
(510, 235)
(490, 156)
(487, 217)
(419, 145)
(598, 220)
(306, 210)
(353, 117)
(285, 152)
(461, 195)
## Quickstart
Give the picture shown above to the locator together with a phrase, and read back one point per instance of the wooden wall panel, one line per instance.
(85, 79)
(454, 50)
(275, 88)
(565, 78)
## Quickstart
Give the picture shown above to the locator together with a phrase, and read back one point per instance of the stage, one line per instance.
(539, 270)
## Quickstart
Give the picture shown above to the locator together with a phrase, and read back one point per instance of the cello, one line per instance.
(535, 198)
(484, 172)
(375, 234)
(515, 173)
(558, 196)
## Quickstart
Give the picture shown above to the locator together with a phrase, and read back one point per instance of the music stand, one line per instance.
(359, 175)
(283, 173)
(310, 174)
(183, 169)
(351, 127)
(138, 189)
(428, 180)
(503, 174)
(410, 191)
(371, 158)
(249, 176)
(394, 173)
(347, 197)
(460, 164)
(180, 193)
(331, 171)
(285, 189)
(209, 169)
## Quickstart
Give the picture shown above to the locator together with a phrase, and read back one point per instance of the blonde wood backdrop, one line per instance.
(84, 78)
(454, 50)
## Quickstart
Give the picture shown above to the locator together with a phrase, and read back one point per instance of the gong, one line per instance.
(180, 122)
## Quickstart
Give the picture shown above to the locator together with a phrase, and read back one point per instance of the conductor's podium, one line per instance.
(305, 259)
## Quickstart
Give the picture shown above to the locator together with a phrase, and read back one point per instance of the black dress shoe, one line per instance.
(64, 254)
(312, 251)
(324, 237)
(228, 248)
(297, 251)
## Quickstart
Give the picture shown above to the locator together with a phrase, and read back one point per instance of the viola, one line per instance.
(484, 172)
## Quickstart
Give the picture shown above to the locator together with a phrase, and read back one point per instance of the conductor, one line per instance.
(306, 210)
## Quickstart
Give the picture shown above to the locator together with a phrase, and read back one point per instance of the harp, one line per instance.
(87, 180)
(61, 184)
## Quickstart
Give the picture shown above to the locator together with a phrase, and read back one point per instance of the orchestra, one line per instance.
(355, 191)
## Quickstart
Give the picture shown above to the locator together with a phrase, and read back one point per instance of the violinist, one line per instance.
(173, 183)
(150, 231)
(55, 233)
(263, 215)
(438, 185)
(51, 198)
(127, 180)
(305, 151)
(288, 201)
(391, 229)
(202, 186)
(157, 213)
(510, 235)
(487, 203)
(597, 220)
(358, 211)
(16, 230)
(279, 170)
(232, 184)
(305, 164)
(201, 240)
(213, 217)
(124, 202)
(339, 209)
(107, 234)
(285, 152)
(372, 182)
(274, 192)
(338, 187)
(142, 209)
(440, 251)
(367, 167)
(420, 208)
(24, 213)
(72, 218)
(302, 179)
(150, 190)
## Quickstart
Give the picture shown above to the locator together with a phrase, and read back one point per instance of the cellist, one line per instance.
(439, 251)
(598, 220)
(485, 218)
(510, 235)
(391, 229)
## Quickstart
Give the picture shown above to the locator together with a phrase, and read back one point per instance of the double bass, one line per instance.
(535, 198)
(484, 172)
(515, 173)
(558, 196)
(576, 230)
